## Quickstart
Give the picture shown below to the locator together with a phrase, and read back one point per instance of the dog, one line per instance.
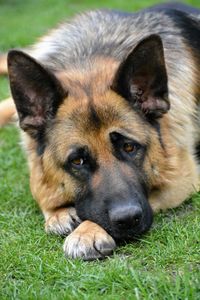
(108, 106)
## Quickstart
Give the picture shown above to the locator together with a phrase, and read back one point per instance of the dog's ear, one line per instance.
(36, 92)
(142, 78)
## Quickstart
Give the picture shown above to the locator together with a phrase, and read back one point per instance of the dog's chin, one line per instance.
(129, 234)
(126, 235)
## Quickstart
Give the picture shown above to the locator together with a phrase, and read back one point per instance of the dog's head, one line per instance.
(97, 132)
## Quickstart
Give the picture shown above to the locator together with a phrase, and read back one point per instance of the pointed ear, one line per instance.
(36, 92)
(142, 78)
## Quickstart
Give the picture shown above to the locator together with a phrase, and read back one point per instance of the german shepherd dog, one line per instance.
(108, 105)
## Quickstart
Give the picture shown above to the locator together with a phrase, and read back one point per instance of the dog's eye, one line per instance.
(129, 148)
(79, 161)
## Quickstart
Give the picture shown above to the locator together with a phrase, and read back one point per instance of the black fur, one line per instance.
(142, 78)
(36, 92)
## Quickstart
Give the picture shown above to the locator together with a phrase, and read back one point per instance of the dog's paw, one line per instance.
(62, 221)
(89, 241)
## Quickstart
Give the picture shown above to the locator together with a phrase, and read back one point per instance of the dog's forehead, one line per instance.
(89, 117)
(91, 105)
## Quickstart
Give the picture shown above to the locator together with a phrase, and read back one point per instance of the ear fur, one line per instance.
(142, 78)
(36, 92)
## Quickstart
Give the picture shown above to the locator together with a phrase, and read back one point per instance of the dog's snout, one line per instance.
(126, 217)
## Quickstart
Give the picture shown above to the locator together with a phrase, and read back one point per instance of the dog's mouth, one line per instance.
(123, 220)
(130, 233)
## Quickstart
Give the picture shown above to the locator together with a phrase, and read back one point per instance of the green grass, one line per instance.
(165, 264)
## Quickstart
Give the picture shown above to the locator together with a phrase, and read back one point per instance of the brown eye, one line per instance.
(78, 161)
(128, 147)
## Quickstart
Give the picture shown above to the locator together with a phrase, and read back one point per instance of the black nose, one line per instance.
(126, 217)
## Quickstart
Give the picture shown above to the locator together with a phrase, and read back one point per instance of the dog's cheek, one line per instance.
(157, 164)
(50, 185)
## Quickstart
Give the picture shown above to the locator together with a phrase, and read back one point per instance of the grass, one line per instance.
(163, 265)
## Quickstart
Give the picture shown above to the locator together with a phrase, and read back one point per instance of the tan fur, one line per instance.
(61, 221)
(89, 241)
(7, 111)
(99, 77)
(3, 64)
(173, 182)
(46, 181)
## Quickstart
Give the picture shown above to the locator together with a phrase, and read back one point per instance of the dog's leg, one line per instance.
(183, 184)
(89, 241)
(7, 111)
(85, 240)
(61, 221)
(3, 64)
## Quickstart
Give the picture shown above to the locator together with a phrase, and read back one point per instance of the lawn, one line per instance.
(165, 264)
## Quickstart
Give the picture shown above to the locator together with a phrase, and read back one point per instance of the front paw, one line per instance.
(89, 241)
(62, 222)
